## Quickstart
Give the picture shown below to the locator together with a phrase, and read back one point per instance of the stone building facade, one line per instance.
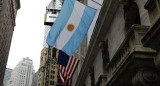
(48, 71)
(8, 11)
(124, 47)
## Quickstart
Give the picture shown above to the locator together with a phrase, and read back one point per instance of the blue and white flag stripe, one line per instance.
(60, 21)
(75, 20)
(80, 17)
(80, 32)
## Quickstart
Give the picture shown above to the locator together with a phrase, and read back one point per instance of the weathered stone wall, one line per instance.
(117, 30)
(98, 66)
(88, 81)
(116, 33)
(7, 23)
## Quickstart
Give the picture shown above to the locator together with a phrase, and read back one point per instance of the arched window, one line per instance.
(131, 14)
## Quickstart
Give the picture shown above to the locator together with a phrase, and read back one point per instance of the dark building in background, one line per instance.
(8, 11)
(7, 76)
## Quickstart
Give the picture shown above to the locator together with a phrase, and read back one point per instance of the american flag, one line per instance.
(67, 66)
(67, 82)
(67, 72)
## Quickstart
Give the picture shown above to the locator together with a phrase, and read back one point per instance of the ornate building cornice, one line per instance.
(130, 56)
(146, 77)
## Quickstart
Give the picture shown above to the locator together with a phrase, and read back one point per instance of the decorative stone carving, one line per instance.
(146, 77)
(130, 53)
(105, 54)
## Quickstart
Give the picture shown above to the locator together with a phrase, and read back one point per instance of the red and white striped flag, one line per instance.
(67, 72)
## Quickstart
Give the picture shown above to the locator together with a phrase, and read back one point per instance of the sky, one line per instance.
(28, 35)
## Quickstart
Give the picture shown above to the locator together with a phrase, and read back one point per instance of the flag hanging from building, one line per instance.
(68, 70)
(67, 65)
(71, 26)
(68, 82)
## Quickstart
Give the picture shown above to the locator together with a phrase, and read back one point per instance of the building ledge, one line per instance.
(130, 55)
(127, 70)
(152, 37)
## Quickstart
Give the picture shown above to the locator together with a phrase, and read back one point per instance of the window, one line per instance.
(51, 82)
(52, 77)
(46, 84)
(131, 15)
(52, 71)
(55, 11)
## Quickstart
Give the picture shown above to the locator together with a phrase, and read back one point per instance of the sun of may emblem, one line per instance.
(70, 27)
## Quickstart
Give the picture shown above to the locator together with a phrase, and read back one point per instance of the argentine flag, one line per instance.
(71, 26)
